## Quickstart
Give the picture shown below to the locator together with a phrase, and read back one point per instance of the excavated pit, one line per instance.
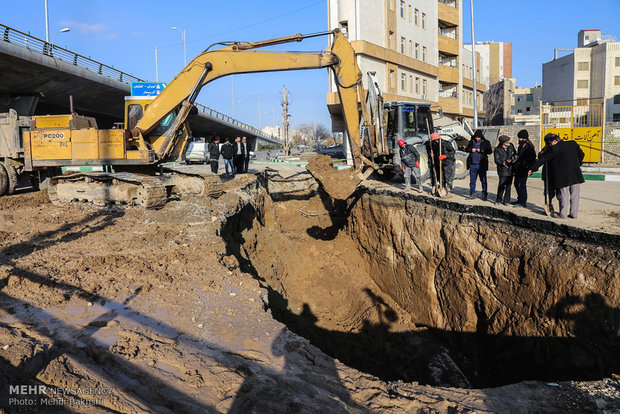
(412, 288)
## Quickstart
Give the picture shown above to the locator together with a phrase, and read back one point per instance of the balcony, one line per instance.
(448, 74)
(448, 14)
(448, 45)
(450, 93)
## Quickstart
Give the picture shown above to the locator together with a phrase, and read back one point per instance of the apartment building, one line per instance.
(589, 74)
(414, 47)
(497, 58)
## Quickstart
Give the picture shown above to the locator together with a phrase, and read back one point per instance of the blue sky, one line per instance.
(125, 33)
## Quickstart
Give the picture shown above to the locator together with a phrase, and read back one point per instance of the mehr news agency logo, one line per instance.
(42, 395)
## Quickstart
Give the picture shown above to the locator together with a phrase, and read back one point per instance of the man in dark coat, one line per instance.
(504, 155)
(246, 154)
(479, 149)
(239, 155)
(526, 156)
(564, 165)
(410, 162)
(447, 156)
(214, 154)
(228, 152)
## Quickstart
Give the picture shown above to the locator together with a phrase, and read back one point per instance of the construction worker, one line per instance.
(445, 159)
(410, 163)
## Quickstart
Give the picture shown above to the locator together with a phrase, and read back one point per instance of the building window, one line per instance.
(583, 83)
(344, 28)
(392, 79)
(409, 13)
(416, 16)
(410, 83)
(423, 20)
(617, 100)
(410, 48)
(582, 101)
(417, 51)
(402, 45)
(424, 88)
(519, 98)
(616, 118)
(402, 8)
(617, 61)
(529, 97)
(423, 53)
(417, 85)
(583, 65)
(403, 82)
(391, 39)
(527, 109)
(392, 4)
(616, 80)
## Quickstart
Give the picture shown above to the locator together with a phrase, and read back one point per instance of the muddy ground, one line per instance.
(169, 310)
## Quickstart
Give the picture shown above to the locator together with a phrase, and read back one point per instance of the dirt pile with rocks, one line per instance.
(172, 310)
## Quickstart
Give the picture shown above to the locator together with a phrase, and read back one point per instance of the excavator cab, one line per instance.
(407, 120)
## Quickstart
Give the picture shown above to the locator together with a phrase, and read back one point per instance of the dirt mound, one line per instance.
(338, 184)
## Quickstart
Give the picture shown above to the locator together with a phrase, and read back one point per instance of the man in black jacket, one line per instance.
(410, 163)
(526, 156)
(564, 165)
(479, 149)
(504, 155)
(239, 155)
(228, 152)
(214, 154)
(246, 154)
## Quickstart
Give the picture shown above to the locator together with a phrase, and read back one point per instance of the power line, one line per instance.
(246, 27)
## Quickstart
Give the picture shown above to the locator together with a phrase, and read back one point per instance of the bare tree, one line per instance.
(313, 133)
(494, 104)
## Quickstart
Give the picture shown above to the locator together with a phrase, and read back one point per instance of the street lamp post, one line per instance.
(184, 44)
(473, 59)
(47, 24)
(63, 30)
(156, 67)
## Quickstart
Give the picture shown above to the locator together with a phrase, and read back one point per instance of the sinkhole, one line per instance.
(409, 287)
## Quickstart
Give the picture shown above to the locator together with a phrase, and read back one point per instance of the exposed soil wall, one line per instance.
(405, 289)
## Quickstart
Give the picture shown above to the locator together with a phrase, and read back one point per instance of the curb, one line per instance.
(587, 177)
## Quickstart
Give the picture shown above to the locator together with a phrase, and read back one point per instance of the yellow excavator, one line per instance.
(155, 131)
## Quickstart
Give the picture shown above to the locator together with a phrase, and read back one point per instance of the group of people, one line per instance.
(236, 156)
(560, 161)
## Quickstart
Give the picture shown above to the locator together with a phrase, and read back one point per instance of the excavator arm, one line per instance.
(181, 93)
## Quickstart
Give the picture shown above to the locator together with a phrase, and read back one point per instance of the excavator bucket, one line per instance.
(337, 184)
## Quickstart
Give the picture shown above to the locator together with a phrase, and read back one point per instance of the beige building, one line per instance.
(497, 58)
(414, 47)
(525, 109)
(589, 74)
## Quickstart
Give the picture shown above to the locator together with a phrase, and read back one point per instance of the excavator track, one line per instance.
(193, 180)
(108, 188)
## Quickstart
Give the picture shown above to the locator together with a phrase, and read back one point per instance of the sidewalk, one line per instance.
(589, 174)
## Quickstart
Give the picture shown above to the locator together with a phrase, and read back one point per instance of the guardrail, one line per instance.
(18, 38)
(34, 44)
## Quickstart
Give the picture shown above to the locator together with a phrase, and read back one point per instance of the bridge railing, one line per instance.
(18, 38)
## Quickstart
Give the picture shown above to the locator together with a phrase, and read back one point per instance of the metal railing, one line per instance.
(448, 94)
(452, 34)
(451, 3)
(34, 44)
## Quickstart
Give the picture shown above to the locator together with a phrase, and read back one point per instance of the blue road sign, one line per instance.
(147, 88)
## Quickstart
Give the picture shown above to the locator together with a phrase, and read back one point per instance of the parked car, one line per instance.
(196, 153)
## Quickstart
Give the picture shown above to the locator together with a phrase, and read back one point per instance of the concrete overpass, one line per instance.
(38, 78)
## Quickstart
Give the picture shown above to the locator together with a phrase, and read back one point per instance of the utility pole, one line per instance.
(47, 24)
(473, 59)
(284, 103)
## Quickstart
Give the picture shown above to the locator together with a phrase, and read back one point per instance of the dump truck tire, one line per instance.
(12, 177)
(4, 181)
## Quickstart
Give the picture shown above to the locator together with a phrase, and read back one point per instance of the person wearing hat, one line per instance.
(214, 154)
(504, 155)
(447, 156)
(410, 163)
(479, 149)
(564, 165)
(526, 156)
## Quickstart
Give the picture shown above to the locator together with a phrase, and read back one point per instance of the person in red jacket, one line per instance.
(410, 163)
